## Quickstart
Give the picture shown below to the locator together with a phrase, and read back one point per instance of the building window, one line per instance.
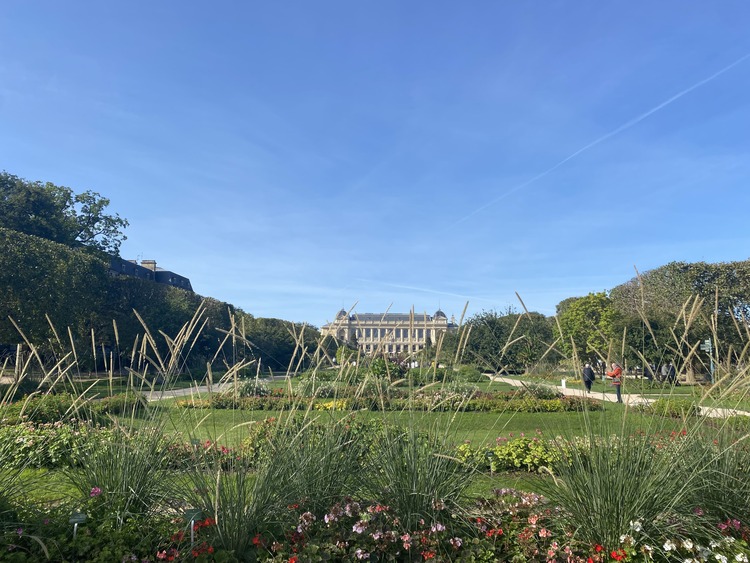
(367, 333)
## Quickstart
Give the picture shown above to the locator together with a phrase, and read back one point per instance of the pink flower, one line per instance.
(95, 492)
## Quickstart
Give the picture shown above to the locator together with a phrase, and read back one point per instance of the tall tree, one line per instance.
(588, 324)
(509, 341)
(58, 214)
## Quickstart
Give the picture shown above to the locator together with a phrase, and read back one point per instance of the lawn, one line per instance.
(231, 426)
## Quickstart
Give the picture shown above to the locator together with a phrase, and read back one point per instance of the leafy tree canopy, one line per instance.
(586, 325)
(508, 341)
(58, 214)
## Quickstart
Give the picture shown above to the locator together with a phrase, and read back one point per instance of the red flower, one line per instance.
(618, 555)
(293, 559)
(598, 548)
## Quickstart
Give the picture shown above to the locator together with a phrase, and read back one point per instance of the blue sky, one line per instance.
(294, 158)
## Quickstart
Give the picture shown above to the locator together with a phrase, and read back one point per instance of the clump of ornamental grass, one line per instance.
(611, 484)
(11, 481)
(417, 475)
(723, 489)
(123, 477)
(307, 463)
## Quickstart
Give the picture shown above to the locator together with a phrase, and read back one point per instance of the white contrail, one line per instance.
(603, 138)
(424, 289)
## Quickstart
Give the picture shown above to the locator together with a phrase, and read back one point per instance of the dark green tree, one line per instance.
(511, 341)
(58, 214)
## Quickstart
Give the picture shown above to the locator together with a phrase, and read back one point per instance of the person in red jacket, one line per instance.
(616, 376)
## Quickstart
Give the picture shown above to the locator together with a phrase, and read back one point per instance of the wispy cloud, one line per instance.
(616, 131)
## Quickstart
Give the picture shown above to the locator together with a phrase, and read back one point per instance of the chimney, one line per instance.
(149, 264)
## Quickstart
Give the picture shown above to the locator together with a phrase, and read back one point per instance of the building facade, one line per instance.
(390, 334)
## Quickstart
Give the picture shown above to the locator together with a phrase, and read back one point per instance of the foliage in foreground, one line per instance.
(322, 488)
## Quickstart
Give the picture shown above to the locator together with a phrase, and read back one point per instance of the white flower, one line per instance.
(669, 546)
(721, 558)
(741, 557)
(687, 544)
(626, 538)
(636, 525)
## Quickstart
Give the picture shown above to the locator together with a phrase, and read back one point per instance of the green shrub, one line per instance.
(673, 407)
(510, 454)
(469, 373)
(539, 391)
(253, 388)
(529, 454)
(419, 377)
(51, 408)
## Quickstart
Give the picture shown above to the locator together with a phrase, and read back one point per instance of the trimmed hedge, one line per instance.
(51, 408)
(436, 402)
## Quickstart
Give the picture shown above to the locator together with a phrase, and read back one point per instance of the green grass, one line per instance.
(482, 484)
(230, 426)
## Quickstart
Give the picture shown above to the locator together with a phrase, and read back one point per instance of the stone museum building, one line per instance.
(389, 333)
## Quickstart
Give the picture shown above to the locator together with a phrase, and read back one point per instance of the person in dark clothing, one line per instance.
(588, 377)
(672, 374)
(648, 371)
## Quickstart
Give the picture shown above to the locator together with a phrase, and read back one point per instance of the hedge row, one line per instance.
(50, 408)
(428, 403)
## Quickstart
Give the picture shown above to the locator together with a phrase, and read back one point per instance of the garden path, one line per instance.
(628, 398)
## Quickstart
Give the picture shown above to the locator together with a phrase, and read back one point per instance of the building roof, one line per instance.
(387, 317)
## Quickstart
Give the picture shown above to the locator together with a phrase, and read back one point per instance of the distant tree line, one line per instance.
(658, 316)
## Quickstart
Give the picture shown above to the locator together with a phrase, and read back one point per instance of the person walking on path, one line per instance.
(672, 374)
(588, 377)
(664, 373)
(616, 376)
